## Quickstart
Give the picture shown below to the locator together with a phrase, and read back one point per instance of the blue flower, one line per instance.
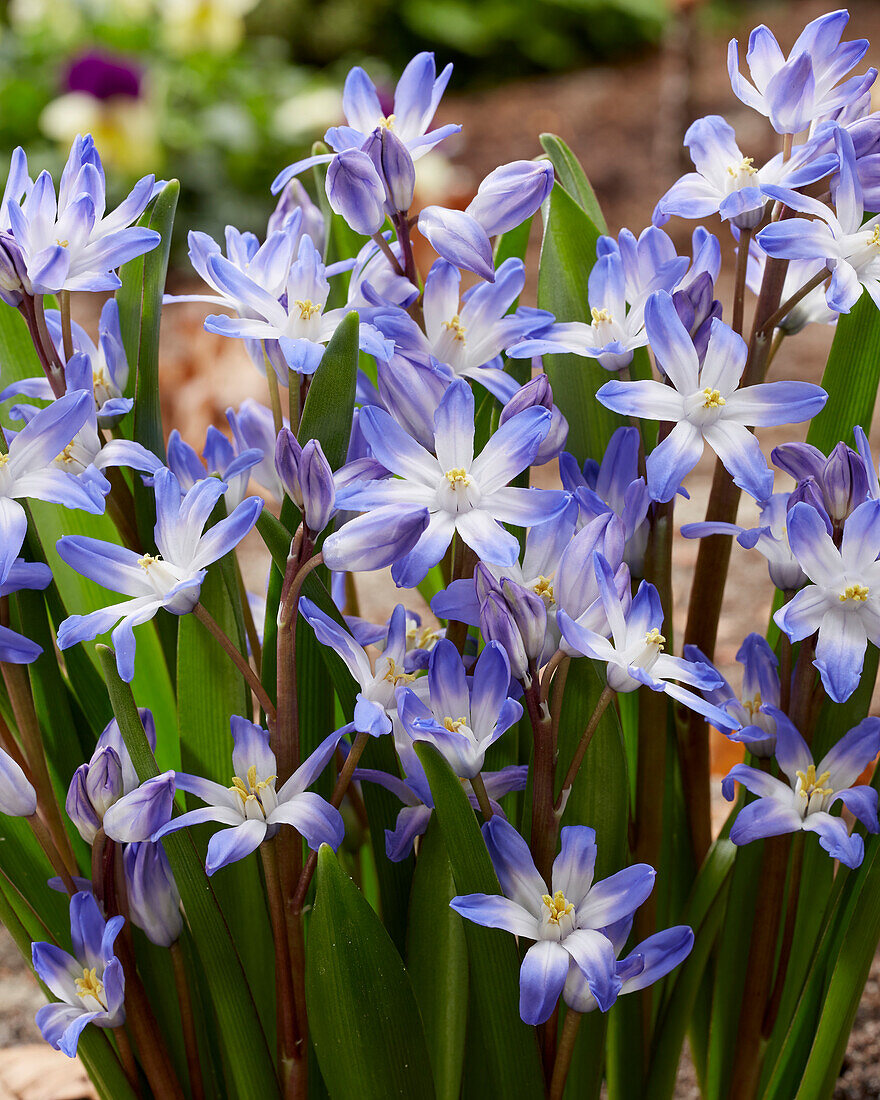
(89, 984)
(252, 808)
(307, 479)
(153, 897)
(634, 656)
(69, 241)
(463, 493)
(727, 183)
(17, 797)
(564, 920)
(222, 460)
(843, 602)
(805, 801)
(171, 580)
(704, 404)
(14, 647)
(793, 91)
(460, 719)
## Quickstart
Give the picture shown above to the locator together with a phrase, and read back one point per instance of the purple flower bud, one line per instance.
(411, 392)
(103, 781)
(138, 815)
(393, 162)
(697, 307)
(844, 481)
(458, 238)
(498, 625)
(485, 582)
(295, 197)
(537, 392)
(810, 492)
(355, 191)
(79, 806)
(14, 282)
(530, 615)
(287, 458)
(376, 539)
(17, 796)
(510, 194)
(318, 491)
(153, 897)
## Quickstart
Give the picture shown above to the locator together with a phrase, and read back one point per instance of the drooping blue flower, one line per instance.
(171, 580)
(565, 919)
(136, 816)
(467, 333)
(28, 470)
(805, 801)
(793, 91)
(375, 283)
(68, 241)
(153, 897)
(843, 601)
(461, 719)
(705, 404)
(89, 984)
(463, 493)
(760, 690)
(849, 248)
(252, 808)
(534, 394)
(727, 183)
(811, 309)
(634, 656)
(17, 797)
(220, 459)
(648, 962)
(297, 321)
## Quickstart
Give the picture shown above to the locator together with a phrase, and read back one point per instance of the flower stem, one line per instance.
(584, 743)
(788, 305)
(544, 819)
(558, 658)
(564, 1054)
(482, 797)
(126, 1057)
(274, 395)
(66, 330)
(403, 236)
(794, 889)
(43, 835)
(29, 312)
(213, 627)
(50, 352)
(739, 289)
(290, 1030)
(193, 1065)
(250, 627)
(389, 255)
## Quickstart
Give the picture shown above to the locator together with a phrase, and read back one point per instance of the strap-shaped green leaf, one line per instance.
(329, 405)
(436, 959)
(363, 1015)
(248, 1063)
(509, 1050)
(573, 178)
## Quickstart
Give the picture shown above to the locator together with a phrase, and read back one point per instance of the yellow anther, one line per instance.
(856, 592)
(395, 675)
(753, 705)
(544, 587)
(456, 328)
(307, 309)
(66, 455)
(458, 476)
(146, 561)
(558, 905)
(654, 637)
(743, 168)
(600, 315)
(421, 637)
(811, 784)
(3, 460)
(253, 787)
(64, 244)
(90, 985)
(387, 123)
(714, 400)
(875, 237)
(454, 724)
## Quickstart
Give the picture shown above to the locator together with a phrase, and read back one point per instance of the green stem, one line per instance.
(187, 1020)
(482, 797)
(274, 395)
(213, 627)
(43, 835)
(584, 743)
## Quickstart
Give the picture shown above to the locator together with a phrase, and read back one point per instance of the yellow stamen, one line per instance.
(856, 592)
(753, 705)
(90, 985)
(64, 244)
(744, 167)
(812, 784)
(454, 724)
(714, 400)
(599, 315)
(456, 328)
(458, 475)
(387, 123)
(654, 637)
(146, 561)
(874, 239)
(307, 309)
(253, 787)
(558, 905)
(66, 455)
(395, 675)
(544, 587)
(421, 637)
(3, 460)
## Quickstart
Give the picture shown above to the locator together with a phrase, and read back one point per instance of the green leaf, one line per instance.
(509, 1051)
(436, 959)
(140, 315)
(248, 1062)
(568, 252)
(851, 377)
(573, 178)
(329, 405)
(363, 1016)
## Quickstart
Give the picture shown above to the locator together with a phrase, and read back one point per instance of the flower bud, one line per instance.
(318, 490)
(845, 482)
(395, 167)
(498, 625)
(79, 808)
(14, 281)
(103, 781)
(411, 392)
(153, 897)
(697, 308)
(537, 393)
(510, 194)
(458, 238)
(530, 615)
(375, 539)
(287, 456)
(355, 191)
(17, 796)
(809, 492)
(485, 582)
(138, 815)
(295, 197)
